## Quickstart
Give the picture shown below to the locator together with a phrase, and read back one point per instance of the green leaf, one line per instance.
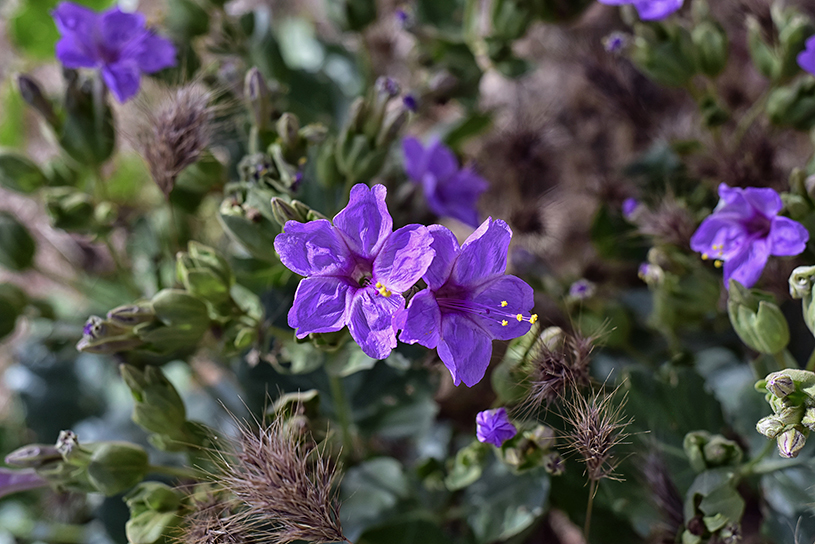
(369, 491)
(407, 530)
(19, 174)
(17, 247)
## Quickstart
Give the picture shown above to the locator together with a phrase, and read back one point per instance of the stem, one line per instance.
(749, 118)
(811, 362)
(784, 359)
(748, 468)
(342, 410)
(176, 472)
(589, 508)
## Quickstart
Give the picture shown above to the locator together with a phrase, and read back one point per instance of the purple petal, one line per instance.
(404, 258)
(493, 427)
(519, 298)
(653, 10)
(458, 196)
(371, 322)
(764, 200)
(152, 52)
(320, 305)
(71, 18)
(440, 160)
(74, 52)
(423, 323)
(118, 27)
(787, 237)
(415, 165)
(483, 255)
(313, 249)
(365, 223)
(746, 266)
(13, 481)
(465, 349)
(719, 237)
(806, 58)
(122, 78)
(446, 250)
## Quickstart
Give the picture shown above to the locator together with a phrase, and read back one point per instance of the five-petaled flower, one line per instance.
(493, 427)
(356, 270)
(469, 301)
(806, 58)
(744, 230)
(116, 42)
(450, 191)
(649, 10)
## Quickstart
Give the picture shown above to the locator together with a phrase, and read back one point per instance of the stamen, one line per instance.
(489, 313)
(504, 323)
(503, 304)
(519, 317)
(533, 319)
(705, 256)
(717, 263)
(384, 291)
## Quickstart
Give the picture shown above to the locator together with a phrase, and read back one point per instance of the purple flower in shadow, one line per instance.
(115, 42)
(450, 191)
(744, 230)
(356, 270)
(469, 301)
(649, 10)
(806, 58)
(13, 481)
(493, 427)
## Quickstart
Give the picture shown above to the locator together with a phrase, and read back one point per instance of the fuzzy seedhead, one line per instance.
(176, 133)
(670, 223)
(284, 486)
(559, 369)
(211, 522)
(597, 425)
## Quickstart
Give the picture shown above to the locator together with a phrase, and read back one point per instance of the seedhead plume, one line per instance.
(176, 133)
(283, 483)
(560, 367)
(211, 522)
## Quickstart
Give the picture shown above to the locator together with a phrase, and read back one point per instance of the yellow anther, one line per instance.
(705, 256)
(519, 317)
(717, 263)
(378, 285)
(504, 323)
(503, 304)
(533, 319)
(302, 161)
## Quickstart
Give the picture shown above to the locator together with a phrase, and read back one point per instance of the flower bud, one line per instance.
(554, 464)
(710, 40)
(757, 320)
(153, 513)
(790, 442)
(720, 451)
(793, 105)
(32, 93)
(792, 35)
(667, 57)
(543, 437)
(790, 415)
(770, 426)
(780, 385)
(17, 246)
(204, 273)
(157, 405)
(117, 466)
(131, 314)
(33, 456)
(288, 127)
(258, 98)
(105, 336)
(283, 212)
(808, 420)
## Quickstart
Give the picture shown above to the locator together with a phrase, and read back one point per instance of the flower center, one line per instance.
(495, 313)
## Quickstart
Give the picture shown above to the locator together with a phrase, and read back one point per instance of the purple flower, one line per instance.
(649, 10)
(630, 206)
(410, 102)
(493, 427)
(450, 191)
(744, 230)
(582, 289)
(806, 58)
(469, 301)
(615, 42)
(115, 42)
(13, 481)
(356, 270)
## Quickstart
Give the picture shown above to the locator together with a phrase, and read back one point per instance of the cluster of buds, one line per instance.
(776, 58)
(534, 448)
(360, 150)
(757, 319)
(155, 510)
(800, 283)
(791, 395)
(706, 451)
(104, 467)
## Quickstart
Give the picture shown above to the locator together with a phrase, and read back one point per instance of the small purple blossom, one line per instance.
(582, 289)
(493, 427)
(615, 42)
(630, 206)
(410, 102)
(806, 58)
(469, 301)
(115, 42)
(744, 230)
(356, 270)
(649, 10)
(449, 190)
(14, 481)
(402, 17)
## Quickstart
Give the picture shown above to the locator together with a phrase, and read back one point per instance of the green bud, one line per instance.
(258, 98)
(711, 44)
(770, 426)
(543, 437)
(158, 407)
(793, 105)
(131, 314)
(792, 38)
(68, 446)
(757, 319)
(284, 212)
(17, 246)
(104, 336)
(808, 420)
(328, 173)
(117, 466)
(20, 174)
(204, 273)
(87, 133)
(796, 206)
(288, 128)
(180, 309)
(720, 451)
(33, 456)
(791, 442)
(32, 93)
(764, 57)
(668, 57)
(780, 385)
(800, 283)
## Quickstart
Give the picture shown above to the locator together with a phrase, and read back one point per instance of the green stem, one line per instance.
(784, 360)
(176, 472)
(811, 362)
(748, 468)
(749, 118)
(343, 412)
(589, 508)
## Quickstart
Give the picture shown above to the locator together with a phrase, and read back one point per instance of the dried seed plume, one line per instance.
(559, 367)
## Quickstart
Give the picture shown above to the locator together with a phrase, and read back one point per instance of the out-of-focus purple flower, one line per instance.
(582, 289)
(651, 273)
(630, 205)
(806, 58)
(649, 10)
(403, 17)
(469, 301)
(450, 191)
(113, 41)
(493, 427)
(744, 230)
(615, 42)
(356, 270)
(13, 481)
(410, 102)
